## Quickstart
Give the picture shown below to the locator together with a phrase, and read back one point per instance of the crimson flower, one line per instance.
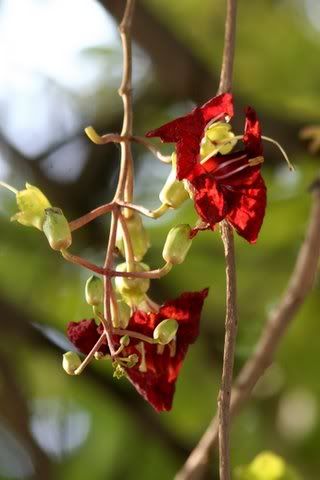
(155, 374)
(226, 186)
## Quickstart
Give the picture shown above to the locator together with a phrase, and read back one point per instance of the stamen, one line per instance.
(160, 349)
(5, 185)
(230, 162)
(173, 348)
(220, 177)
(255, 161)
(143, 365)
(268, 139)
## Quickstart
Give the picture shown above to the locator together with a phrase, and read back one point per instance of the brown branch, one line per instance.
(300, 284)
(231, 320)
(125, 182)
(229, 47)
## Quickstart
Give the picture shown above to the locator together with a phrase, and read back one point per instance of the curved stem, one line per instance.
(116, 138)
(88, 217)
(90, 355)
(139, 336)
(145, 211)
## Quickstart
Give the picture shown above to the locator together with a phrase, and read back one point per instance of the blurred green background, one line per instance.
(61, 65)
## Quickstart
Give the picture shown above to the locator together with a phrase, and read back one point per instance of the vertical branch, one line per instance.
(231, 281)
(228, 354)
(229, 47)
(125, 181)
(125, 184)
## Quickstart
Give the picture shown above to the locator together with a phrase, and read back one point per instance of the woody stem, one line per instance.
(125, 181)
(231, 289)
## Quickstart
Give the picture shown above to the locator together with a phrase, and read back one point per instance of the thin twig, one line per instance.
(228, 354)
(299, 286)
(231, 290)
(125, 181)
(117, 138)
(88, 217)
(229, 47)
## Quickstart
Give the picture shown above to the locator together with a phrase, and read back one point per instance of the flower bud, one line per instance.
(94, 291)
(165, 331)
(216, 140)
(132, 289)
(173, 192)
(56, 229)
(32, 204)
(125, 340)
(120, 315)
(132, 360)
(138, 235)
(70, 362)
(177, 244)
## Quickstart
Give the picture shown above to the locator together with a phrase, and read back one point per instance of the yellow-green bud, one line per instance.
(177, 244)
(165, 331)
(120, 317)
(125, 340)
(138, 235)
(218, 138)
(94, 291)
(132, 289)
(173, 192)
(267, 466)
(56, 229)
(32, 204)
(132, 360)
(70, 362)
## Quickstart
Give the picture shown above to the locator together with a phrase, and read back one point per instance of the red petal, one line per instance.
(186, 309)
(187, 150)
(218, 106)
(157, 385)
(249, 207)
(209, 200)
(84, 335)
(182, 127)
(252, 134)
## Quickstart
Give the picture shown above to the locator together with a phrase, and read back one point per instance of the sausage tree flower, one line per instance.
(225, 183)
(156, 366)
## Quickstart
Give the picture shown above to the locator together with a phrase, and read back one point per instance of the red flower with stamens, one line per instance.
(224, 186)
(155, 375)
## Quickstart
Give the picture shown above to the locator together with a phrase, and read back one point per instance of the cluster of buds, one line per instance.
(144, 341)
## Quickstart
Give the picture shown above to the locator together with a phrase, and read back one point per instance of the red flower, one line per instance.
(188, 131)
(225, 186)
(155, 375)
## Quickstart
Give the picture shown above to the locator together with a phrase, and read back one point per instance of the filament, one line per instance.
(271, 140)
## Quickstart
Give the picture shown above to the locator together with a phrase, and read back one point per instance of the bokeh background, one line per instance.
(61, 64)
